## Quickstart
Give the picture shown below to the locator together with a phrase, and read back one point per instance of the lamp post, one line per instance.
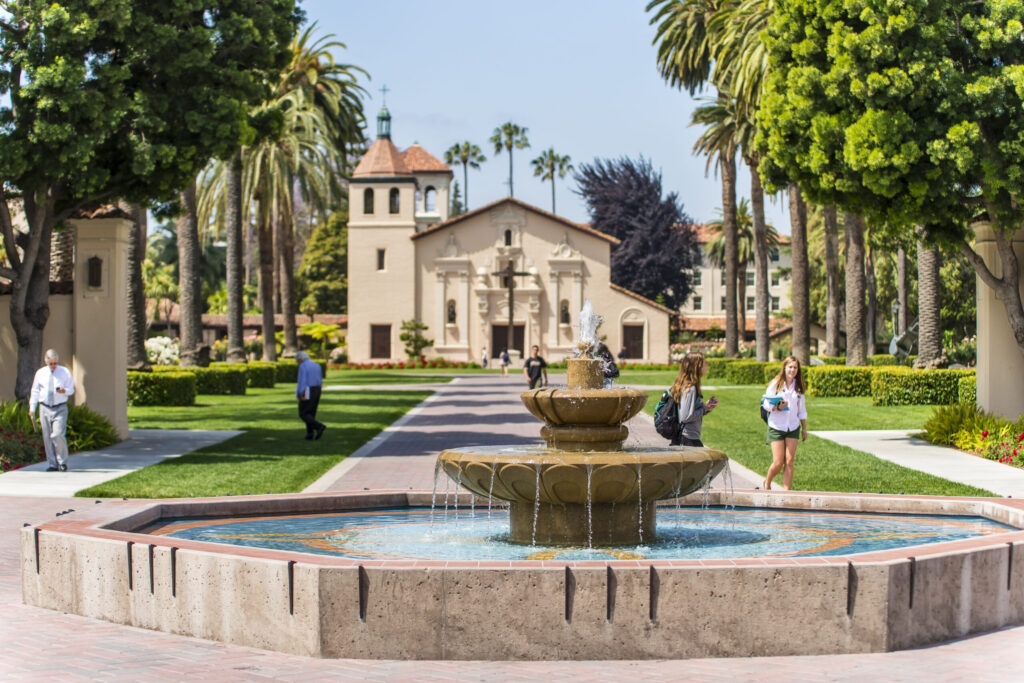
(895, 314)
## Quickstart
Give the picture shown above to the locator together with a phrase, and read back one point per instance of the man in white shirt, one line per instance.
(51, 388)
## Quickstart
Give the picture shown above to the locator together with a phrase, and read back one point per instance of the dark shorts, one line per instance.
(776, 435)
(535, 383)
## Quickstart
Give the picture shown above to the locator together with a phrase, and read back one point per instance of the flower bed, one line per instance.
(440, 363)
(973, 430)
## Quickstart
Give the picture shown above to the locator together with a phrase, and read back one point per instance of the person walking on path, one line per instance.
(687, 394)
(483, 358)
(787, 420)
(504, 362)
(51, 387)
(307, 390)
(534, 367)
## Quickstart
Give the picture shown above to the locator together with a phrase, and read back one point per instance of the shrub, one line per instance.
(947, 421)
(19, 444)
(745, 372)
(881, 359)
(967, 390)
(771, 369)
(838, 380)
(161, 388)
(971, 429)
(442, 363)
(88, 430)
(162, 351)
(831, 360)
(717, 366)
(902, 386)
(261, 374)
(219, 378)
(286, 371)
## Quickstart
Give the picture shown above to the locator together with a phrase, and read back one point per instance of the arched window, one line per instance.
(393, 200)
(451, 311)
(563, 312)
(419, 196)
(368, 200)
(508, 238)
(430, 200)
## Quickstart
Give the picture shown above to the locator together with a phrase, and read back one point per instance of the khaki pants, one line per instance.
(54, 423)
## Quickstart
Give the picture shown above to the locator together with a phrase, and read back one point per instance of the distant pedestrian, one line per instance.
(505, 359)
(307, 390)
(51, 387)
(608, 366)
(787, 420)
(688, 396)
(534, 367)
(623, 354)
(483, 358)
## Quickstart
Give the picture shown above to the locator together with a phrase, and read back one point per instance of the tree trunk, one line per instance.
(136, 318)
(553, 193)
(872, 316)
(901, 290)
(761, 296)
(265, 236)
(801, 276)
(278, 261)
(465, 187)
(929, 335)
(235, 285)
(741, 304)
(855, 341)
(1007, 287)
(287, 235)
(510, 192)
(730, 229)
(189, 299)
(834, 311)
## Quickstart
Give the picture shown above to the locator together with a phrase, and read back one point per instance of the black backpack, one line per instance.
(666, 416)
(764, 413)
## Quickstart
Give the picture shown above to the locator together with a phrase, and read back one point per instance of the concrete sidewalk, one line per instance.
(948, 463)
(142, 448)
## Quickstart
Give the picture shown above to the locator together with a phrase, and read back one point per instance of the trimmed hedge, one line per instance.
(261, 374)
(771, 370)
(899, 386)
(745, 371)
(831, 360)
(882, 359)
(838, 380)
(219, 378)
(287, 371)
(164, 388)
(967, 390)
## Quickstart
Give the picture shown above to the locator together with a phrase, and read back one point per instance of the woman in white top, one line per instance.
(787, 420)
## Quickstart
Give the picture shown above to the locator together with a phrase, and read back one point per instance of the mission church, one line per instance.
(407, 259)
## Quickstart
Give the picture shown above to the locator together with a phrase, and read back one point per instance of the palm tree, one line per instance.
(835, 307)
(929, 335)
(856, 348)
(547, 165)
(506, 136)
(190, 310)
(469, 156)
(136, 318)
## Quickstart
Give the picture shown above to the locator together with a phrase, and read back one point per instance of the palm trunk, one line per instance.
(278, 268)
(136, 317)
(287, 238)
(834, 311)
(553, 194)
(465, 187)
(265, 236)
(233, 225)
(872, 316)
(901, 290)
(801, 276)
(761, 297)
(190, 313)
(511, 193)
(741, 304)
(855, 342)
(727, 163)
(928, 332)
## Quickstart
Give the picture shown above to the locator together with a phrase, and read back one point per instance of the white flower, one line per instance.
(162, 351)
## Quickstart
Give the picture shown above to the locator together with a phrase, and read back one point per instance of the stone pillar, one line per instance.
(100, 318)
(1000, 363)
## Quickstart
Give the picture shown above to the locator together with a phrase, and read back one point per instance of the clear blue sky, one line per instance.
(580, 75)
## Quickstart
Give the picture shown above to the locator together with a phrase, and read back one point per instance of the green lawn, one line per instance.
(384, 377)
(271, 456)
(821, 465)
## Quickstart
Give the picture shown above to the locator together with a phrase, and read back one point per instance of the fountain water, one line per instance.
(567, 493)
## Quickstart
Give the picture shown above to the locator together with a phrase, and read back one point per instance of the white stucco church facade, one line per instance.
(408, 260)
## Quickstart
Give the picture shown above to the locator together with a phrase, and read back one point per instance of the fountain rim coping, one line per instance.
(117, 520)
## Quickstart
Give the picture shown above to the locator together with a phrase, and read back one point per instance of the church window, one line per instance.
(508, 238)
(368, 200)
(563, 312)
(380, 259)
(393, 200)
(451, 312)
(419, 197)
(430, 200)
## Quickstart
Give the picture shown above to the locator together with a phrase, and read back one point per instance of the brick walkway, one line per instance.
(40, 645)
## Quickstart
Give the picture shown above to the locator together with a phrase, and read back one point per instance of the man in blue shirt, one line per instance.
(307, 391)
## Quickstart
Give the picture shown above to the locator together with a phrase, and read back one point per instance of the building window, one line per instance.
(393, 205)
(723, 303)
(775, 278)
(775, 255)
(451, 311)
(430, 200)
(723, 278)
(750, 279)
(750, 303)
(775, 303)
(368, 201)
(380, 259)
(508, 238)
(563, 312)
(697, 278)
(698, 303)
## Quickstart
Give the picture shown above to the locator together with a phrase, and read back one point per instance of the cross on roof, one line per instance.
(384, 94)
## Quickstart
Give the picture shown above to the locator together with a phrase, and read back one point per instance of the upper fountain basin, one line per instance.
(584, 406)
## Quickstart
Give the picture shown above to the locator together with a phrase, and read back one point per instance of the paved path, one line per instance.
(917, 454)
(142, 448)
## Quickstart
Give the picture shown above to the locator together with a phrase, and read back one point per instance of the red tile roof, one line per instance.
(101, 211)
(382, 160)
(706, 232)
(418, 159)
(695, 324)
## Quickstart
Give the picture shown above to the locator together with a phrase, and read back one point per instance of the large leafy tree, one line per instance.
(907, 114)
(659, 249)
(549, 164)
(116, 99)
(324, 268)
(509, 136)
(467, 155)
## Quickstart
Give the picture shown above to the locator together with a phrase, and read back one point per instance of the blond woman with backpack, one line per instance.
(690, 401)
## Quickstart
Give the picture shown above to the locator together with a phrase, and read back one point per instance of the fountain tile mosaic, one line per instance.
(480, 535)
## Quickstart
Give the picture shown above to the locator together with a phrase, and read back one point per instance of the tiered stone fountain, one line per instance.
(583, 489)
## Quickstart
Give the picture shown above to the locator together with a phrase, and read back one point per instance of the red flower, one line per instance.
(984, 435)
(1020, 438)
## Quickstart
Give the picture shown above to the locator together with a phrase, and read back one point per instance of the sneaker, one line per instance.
(64, 468)
(52, 469)
(309, 436)
(320, 432)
